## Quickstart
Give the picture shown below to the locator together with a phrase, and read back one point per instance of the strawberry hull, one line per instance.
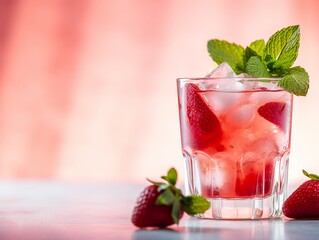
(235, 143)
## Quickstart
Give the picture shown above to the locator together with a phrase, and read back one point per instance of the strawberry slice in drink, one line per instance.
(204, 127)
(275, 112)
(255, 181)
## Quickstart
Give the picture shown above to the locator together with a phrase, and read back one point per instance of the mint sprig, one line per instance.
(274, 58)
(170, 195)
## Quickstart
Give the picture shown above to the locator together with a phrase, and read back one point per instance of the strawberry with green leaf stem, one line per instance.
(304, 201)
(163, 204)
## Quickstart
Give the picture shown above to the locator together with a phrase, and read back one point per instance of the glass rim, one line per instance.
(202, 80)
(271, 79)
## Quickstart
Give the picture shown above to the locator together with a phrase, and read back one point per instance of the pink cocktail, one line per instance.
(236, 140)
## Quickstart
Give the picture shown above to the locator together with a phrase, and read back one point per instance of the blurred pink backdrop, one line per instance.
(88, 90)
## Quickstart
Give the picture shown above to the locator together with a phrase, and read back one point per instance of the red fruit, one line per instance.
(204, 126)
(275, 112)
(162, 208)
(147, 213)
(255, 182)
(304, 202)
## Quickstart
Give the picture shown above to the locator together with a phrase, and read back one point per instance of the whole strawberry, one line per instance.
(163, 204)
(304, 202)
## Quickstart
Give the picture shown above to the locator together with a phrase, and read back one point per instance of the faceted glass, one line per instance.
(235, 135)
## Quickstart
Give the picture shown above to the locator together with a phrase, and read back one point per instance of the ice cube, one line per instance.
(261, 97)
(221, 98)
(241, 116)
(221, 102)
(223, 70)
(264, 147)
(256, 164)
(233, 85)
(252, 84)
(224, 169)
(249, 84)
(215, 173)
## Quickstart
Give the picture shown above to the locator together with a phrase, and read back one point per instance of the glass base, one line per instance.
(260, 197)
(254, 208)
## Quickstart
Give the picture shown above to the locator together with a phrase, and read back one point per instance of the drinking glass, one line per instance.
(235, 135)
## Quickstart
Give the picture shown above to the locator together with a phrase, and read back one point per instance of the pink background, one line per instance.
(88, 91)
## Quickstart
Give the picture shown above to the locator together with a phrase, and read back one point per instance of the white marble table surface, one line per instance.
(50, 210)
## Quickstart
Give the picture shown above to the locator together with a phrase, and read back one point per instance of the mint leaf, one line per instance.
(171, 176)
(195, 204)
(256, 68)
(295, 81)
(256, 48)
(222, 51)
(281, 50)
(166, 198)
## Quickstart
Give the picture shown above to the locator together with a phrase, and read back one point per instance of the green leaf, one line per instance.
(256, 68)
(195, 204)
(222, 51)
(310, 175)
(273, 59)
(256, 48)
(296, 81)
(281, 50)
(162, 187)
(313, 176)
(279, 72)
(171, 176)
(176, 210)
(165, 198)
(156, 183)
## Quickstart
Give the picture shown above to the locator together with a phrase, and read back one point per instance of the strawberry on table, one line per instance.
(148, 213)
(304, 202)
(163, 204)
